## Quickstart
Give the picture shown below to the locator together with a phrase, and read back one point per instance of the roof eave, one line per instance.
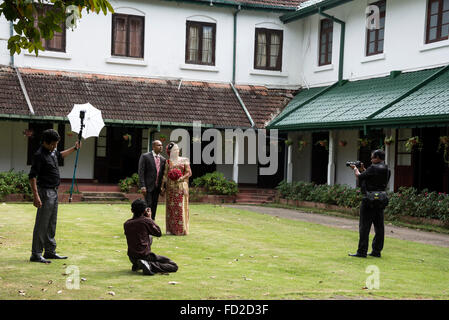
(311, 10)
(247, 6)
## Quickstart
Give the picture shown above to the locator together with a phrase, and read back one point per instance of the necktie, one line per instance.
(158, 164)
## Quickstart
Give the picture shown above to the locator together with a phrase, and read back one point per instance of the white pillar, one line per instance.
(331, 162)
(235, 168)
(390, 156)
(289, 164)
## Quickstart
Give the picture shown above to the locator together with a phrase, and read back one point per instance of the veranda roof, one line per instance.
(419, 98)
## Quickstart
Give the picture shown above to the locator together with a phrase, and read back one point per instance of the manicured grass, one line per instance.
(230, 254)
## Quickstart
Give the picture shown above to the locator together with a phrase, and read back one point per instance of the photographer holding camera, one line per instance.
(373, 182)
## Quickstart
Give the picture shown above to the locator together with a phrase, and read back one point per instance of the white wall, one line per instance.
(343, 174)
(14, 152)
(302, 161)
(4, 36)
(88, 47)
(404, 47)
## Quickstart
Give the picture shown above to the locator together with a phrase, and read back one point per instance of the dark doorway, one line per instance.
(271, 181)
(320, 157)
(121, 157)
(34, 134)
(374, 140)
(430, 171)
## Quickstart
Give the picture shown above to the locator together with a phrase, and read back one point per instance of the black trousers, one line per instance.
(371, 216)
(45, 224)
(157, 263)
(151, 199)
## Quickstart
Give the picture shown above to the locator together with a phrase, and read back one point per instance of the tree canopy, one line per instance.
(32, 23)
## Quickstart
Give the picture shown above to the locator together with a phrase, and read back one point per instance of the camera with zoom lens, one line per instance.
(357, 163)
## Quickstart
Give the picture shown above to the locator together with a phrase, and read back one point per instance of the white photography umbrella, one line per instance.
(87, 121)
(93, 121)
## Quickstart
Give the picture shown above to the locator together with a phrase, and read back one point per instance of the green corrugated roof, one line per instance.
(430, 100)
(350, 105)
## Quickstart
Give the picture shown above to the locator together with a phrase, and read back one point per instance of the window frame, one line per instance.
(45, 42)
(268, 33)
(128, 18)
(439, 26)
(377, 31)
(200, 25)
(329, 40)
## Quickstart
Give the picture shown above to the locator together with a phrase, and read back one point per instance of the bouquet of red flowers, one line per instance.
(174, 174)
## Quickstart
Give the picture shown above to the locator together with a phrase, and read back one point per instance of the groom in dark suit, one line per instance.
(151, 170)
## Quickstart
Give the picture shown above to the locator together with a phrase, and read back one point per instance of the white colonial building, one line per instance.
(310, 69)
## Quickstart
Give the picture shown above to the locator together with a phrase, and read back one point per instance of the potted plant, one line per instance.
(301, 145)
(162, 137)
(388, 140)
(288, 142)
(444, 144)
(323, 143)
(127, 137)
(342, 143)
(364, 142)
(412, 143)
(28, 133)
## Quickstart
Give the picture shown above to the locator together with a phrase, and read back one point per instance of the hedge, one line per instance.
(404, 202)
(14, 182)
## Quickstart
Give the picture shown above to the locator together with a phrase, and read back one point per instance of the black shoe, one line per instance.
(358, 255)
(135, 267)
(145, 266)
(374, 254)
(35, 258)
(53, 256)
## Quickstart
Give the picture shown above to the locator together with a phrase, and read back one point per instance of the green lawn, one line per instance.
(230, 254)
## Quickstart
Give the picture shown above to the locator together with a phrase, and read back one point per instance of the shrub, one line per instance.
(127, 183)
(14, 182)
(404, 202)
(216, 183)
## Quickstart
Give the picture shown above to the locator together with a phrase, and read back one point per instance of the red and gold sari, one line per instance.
(176, 199)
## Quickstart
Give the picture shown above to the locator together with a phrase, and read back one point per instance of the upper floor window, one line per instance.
(200, 43)
(375, 38)
(268, 49)
(437, 20)
(326, 33)
(127, 35)
(57, 43)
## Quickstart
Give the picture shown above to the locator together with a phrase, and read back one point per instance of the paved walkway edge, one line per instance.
(426, 237)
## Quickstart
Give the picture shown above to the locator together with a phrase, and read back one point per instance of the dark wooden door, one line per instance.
(320, 158)
(120, 157)
(271, 181)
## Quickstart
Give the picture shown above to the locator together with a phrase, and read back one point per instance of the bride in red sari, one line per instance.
(175, 183)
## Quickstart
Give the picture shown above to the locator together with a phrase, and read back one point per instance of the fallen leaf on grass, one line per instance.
(22, 292)
(50, 281)
(44, 289)
(83, 279)
(59, 292)
(112, 293)
(173, 282)
(364, 288)
(247, 279)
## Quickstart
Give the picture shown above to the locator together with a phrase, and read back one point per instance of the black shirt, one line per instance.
(138, 233)
(45, 168)
(375, 178)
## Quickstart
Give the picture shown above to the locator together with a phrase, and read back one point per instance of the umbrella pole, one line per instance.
(77, 154)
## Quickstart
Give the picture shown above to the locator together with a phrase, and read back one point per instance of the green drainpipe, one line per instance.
(342, 42)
